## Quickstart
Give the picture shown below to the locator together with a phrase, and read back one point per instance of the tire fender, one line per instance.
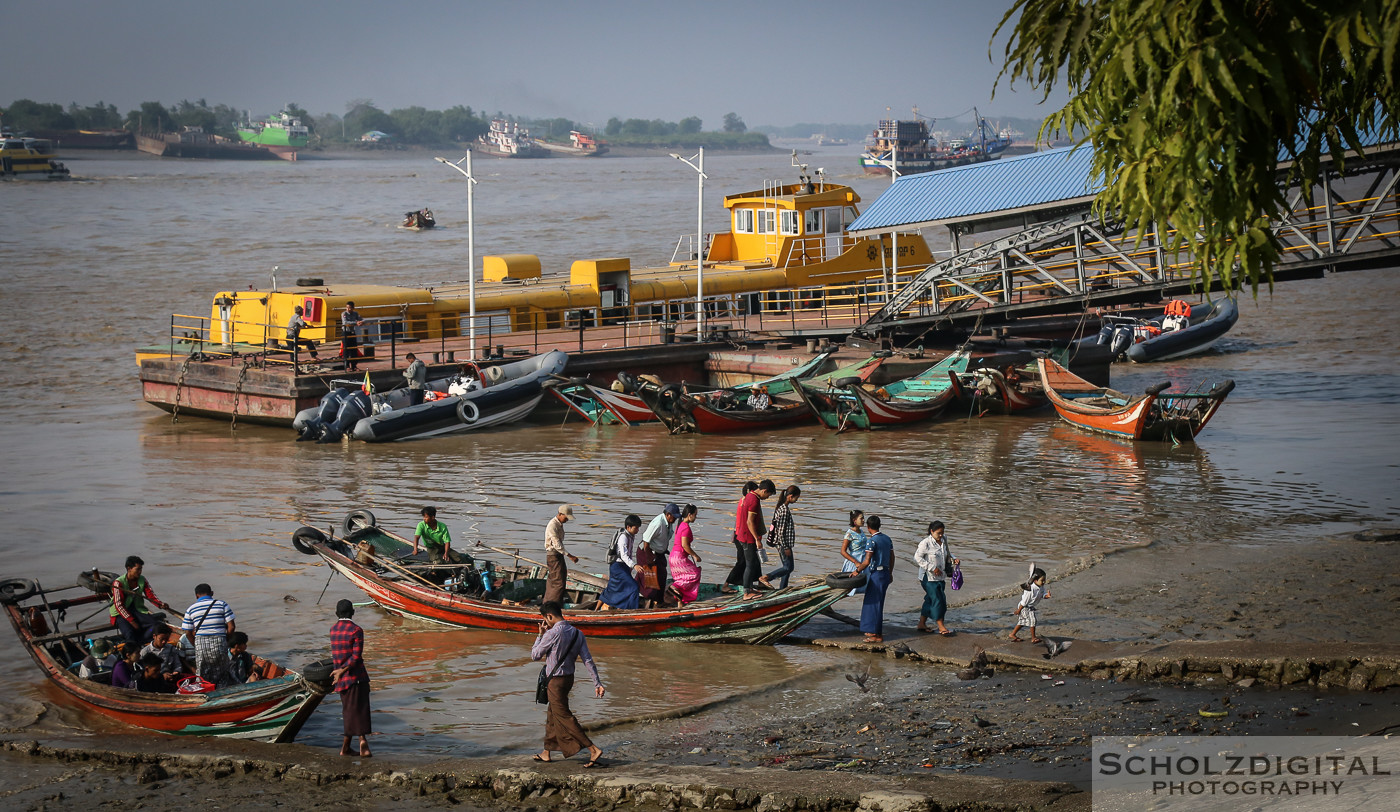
(14, 590)
(668, 397)
(304, 537)
(100, 585)
(846, 580)
(356, 520)
(849, 380)
(467, 411)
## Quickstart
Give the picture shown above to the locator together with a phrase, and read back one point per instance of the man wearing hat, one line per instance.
(659, 535)
(554, 555)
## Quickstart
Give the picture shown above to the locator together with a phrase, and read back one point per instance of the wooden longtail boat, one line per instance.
(985, 390)
(270, 710)
(1176, 417)
(726, 410)
(407, 587)
(854, 404)
(600, 405)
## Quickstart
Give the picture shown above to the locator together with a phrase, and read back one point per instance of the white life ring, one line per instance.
(467, 412)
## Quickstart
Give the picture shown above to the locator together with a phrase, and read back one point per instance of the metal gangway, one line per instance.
(1071, 260)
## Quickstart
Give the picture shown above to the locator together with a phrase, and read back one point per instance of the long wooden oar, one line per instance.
(582, 577)
(387, 562)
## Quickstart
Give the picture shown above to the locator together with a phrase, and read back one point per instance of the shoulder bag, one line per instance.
(542, 684)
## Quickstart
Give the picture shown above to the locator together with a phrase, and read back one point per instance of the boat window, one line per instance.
(813, 224)
(743, 221)
(788, 222)
(767, 221)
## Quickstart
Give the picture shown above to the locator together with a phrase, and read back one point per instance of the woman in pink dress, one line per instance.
(684, 561)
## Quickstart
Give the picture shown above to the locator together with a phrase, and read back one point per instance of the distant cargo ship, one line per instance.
(283, 134)
(89, 139)
(913, 149)
(581, 145)
(194, 142)
(507, 139)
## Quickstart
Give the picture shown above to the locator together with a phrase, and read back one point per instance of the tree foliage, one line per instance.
(100, 116)
(1189, 104)
(26, 114)
(734, 124)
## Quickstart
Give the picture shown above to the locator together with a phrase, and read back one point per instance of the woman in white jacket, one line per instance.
(934, 562)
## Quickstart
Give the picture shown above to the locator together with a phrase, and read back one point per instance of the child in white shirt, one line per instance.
(1031, 593)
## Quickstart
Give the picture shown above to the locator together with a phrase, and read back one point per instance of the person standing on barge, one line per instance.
(294, 327)
(350, 323)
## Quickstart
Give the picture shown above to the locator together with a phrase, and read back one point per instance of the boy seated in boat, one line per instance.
(172, 660)
(242, 666)
(758, 400)
(150, 679)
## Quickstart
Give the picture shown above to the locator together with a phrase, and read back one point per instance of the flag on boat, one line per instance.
(368, 387)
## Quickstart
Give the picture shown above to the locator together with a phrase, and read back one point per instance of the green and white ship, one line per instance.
(283, 134)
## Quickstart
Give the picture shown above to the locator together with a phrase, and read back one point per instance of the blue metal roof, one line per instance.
(993, 187)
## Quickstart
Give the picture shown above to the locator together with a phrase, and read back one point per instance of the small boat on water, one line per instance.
(1183, 330)
(1175, 417)
(22, 157)
(272, 709)
(581, 145)
(508, 393)
(985, 390)
(505, 597)
(851, 403)
(601, 405)
(418, 220)
(743, 407)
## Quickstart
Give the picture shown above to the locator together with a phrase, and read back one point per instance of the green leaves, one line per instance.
(1189, 103)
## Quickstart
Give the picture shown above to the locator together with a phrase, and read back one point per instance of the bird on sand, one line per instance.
(1054, 648)
(859, 679)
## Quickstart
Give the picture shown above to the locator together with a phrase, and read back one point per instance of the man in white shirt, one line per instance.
(208, 623)
(659, 535)
(554, 555)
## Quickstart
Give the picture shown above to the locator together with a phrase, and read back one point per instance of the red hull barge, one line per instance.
(268, 710)
(1150, 416)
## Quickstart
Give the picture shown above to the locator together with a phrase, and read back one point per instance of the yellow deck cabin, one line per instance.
(785, 244)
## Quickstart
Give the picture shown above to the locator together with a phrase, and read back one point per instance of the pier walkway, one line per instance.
(1049, 254)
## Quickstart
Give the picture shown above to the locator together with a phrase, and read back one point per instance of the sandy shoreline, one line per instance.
(916, 723)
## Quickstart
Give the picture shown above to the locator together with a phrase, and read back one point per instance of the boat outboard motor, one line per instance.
(353, 409)
(1122, 339)
(325, 415)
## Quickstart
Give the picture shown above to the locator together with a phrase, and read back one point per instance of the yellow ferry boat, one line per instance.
(29, 157)
(786, 246)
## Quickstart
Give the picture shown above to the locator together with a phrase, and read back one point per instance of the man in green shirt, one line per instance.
(435, 538)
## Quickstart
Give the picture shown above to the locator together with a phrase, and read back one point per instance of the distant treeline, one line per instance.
(414, 126)
(856, 133)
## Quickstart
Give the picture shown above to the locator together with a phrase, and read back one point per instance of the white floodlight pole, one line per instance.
(697, 162)
(894, 235)
(471, 248)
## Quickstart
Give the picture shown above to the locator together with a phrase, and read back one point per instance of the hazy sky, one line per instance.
(770, 61)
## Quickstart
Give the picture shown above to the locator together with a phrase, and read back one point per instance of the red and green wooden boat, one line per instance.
(272, 709)
(726, 410)
(850, 403)
(985, 390)
(454, 595)
(1175, 417)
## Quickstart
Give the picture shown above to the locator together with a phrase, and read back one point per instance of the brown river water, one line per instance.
(91, 268)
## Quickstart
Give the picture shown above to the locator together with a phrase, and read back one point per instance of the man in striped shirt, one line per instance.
(208, 623)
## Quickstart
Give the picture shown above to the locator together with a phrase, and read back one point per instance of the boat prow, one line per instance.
(1175, 417)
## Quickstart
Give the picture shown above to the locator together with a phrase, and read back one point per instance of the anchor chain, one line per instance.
(237, 394)
(179, 386)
